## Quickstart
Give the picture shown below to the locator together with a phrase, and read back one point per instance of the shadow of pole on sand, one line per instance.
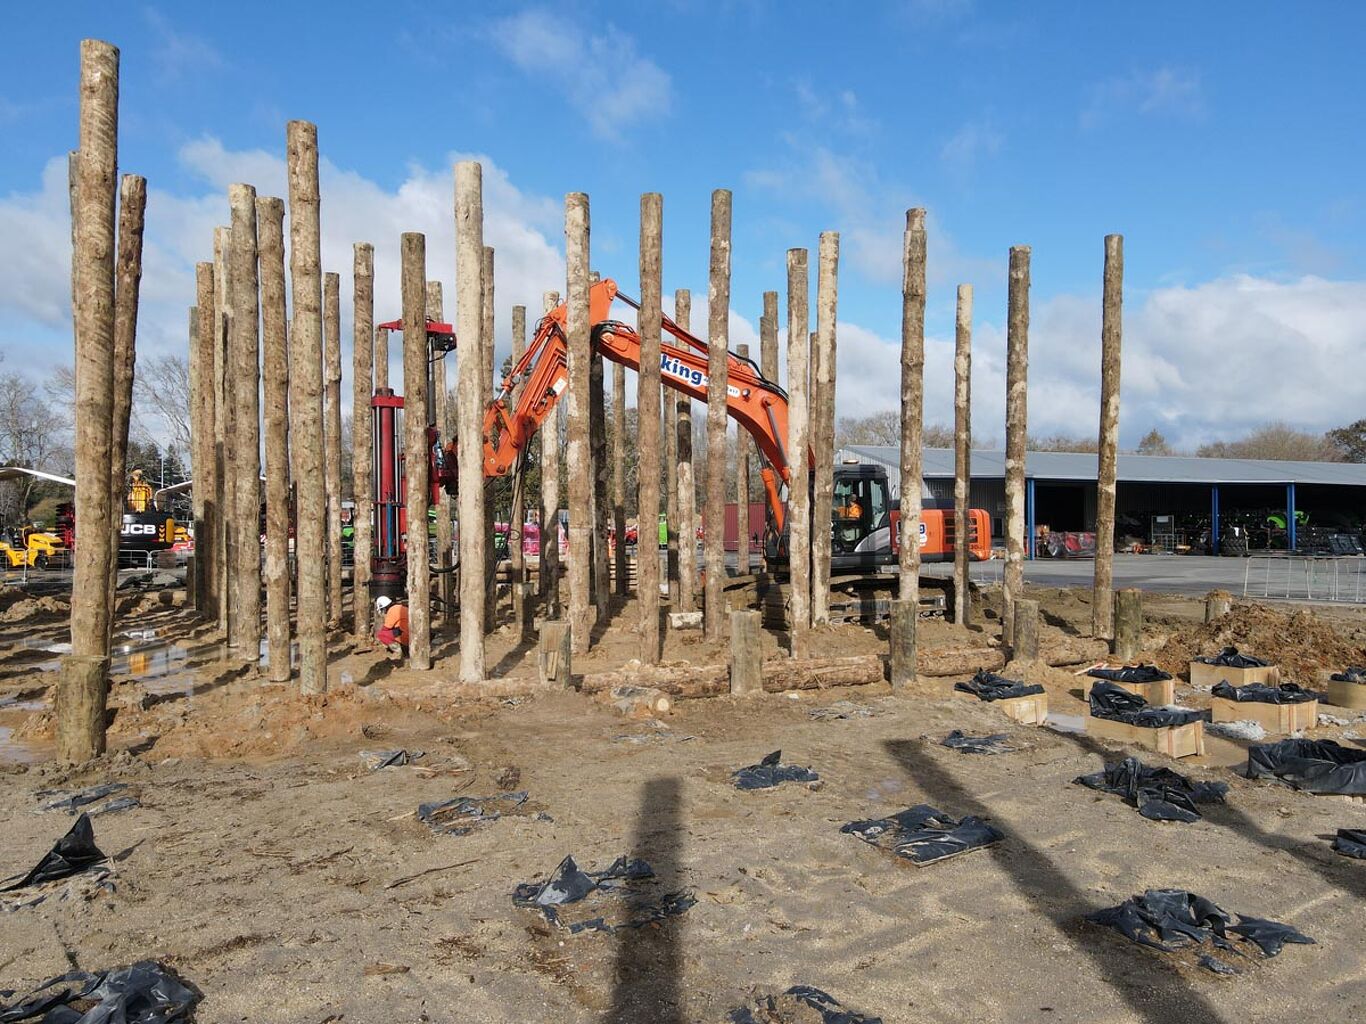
(647, 982)
(1154, 992)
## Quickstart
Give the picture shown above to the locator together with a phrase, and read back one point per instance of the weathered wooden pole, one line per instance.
(742, 446)
(768, 365)
(517, 516)
(1218, 603)
(332, 441)
(578, 459)
(1128, 640)
(1025, 645)
(914, 256)
(223, 407)
(718, 420)
(687, 486)
(550, 500)
(445, 552)
(902, 641)
(201, 442)
(1111, 337)
(597, 446)
(669, 403)
(416, 406)
(1017, 423)
(913, 259)
(469, 299)
(798, 452)
(270, 232)
(746, 653)
(362, 436)
(486, 344)
(647, 424)
(555, 655)
(620, 574)
(822, 424)
(381, 358)
(83, 683)
(245, 343)
(127, 280)
(306, 405)
(962, 454)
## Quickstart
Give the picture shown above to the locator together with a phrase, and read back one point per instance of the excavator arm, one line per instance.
(757, 404)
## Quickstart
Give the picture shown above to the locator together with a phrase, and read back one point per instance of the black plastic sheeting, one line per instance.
(1230, 658)
(996, 743)
(1160, 794)
(1131, 674)
(143, 993)
(1315, 766)
(570, 884)
(989, 686)
(1172, 919)
(792, 1005)
(1351, 674)
(377, 759)
(56, 800)
(464, 814)
(1261, 693)
(923, 835)
(1213, 963)
(73, 853)
(1111, 701)
(1351, 842)
(771, 772)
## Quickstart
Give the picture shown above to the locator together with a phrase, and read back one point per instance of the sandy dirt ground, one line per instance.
(271, 868)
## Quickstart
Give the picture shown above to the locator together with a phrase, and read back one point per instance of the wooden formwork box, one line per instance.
(1347, 694)
(1208, 675)
(1158, 694)
(1274, 718)
(1031, 709)
(1172, 740)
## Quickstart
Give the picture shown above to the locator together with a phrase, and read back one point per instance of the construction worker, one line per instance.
(393, 631)
(139, 493)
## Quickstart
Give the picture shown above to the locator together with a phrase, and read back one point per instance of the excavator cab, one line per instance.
(861, 524)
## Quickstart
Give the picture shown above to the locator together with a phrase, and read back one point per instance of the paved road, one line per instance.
(1340, 579)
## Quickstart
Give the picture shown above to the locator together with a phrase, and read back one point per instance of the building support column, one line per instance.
(1290, 538)
(1214, 519)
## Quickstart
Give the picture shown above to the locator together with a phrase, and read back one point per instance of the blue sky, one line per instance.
(1219, 138)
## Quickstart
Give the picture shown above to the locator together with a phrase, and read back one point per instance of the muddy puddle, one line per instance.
(21, 751)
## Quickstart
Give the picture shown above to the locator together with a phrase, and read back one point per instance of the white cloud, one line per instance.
(1164, 91)
(838, 109)
(928, 12)
(1200, 363)
(970, 143)
(603, 76)
(176, 53)
(35, 294)
(871, 215)
(35, 239)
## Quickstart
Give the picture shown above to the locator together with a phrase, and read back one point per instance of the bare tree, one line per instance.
(35, 434)
(1154, 443)
(1276, 441)
(884, 428)
(161, 391)
(1349, 441)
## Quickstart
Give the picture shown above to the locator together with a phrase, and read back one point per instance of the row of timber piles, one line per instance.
(251, 367)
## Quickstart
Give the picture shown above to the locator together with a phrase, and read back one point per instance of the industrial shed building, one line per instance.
(1157, 495)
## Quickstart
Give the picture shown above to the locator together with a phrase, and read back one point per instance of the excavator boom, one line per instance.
(757, 404)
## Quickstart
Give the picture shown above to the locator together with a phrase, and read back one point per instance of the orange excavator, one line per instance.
(864, 531)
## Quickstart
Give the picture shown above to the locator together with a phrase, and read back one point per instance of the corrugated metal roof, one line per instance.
(1169, 469)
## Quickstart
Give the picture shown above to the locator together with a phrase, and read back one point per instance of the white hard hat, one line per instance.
(383, 602)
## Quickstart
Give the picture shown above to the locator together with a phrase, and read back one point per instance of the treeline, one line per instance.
(1278, 441)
